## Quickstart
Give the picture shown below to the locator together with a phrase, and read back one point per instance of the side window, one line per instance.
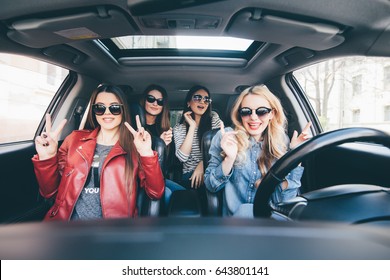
(348, 92)
(27, 87)
(175, 116)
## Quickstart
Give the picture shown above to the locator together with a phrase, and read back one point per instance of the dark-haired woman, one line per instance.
(155, 102)
(196, 120)
(94, 173)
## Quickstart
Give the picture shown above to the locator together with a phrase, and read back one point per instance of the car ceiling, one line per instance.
(346, 27)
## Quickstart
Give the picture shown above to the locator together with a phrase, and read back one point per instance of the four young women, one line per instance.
(94, 173)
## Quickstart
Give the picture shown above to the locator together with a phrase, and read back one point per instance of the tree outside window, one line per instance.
(356, 116)
(386, 77)
(357, 85)
(387, 113)
(338, 87)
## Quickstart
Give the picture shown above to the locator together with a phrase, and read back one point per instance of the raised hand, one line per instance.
(188, 118)
(167, 136)
(47, 143)
(142, 138)
(229, 143)
(298, 139)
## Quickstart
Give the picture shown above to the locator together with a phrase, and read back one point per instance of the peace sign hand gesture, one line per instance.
(47, 143)
(298, 139)
(142, 139)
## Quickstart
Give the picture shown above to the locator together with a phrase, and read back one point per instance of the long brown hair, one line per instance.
(206, 118)
(126, 139)
(274, 143)
(162, 120)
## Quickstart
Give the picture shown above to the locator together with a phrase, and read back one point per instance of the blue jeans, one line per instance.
(245, 210)
(170, 187)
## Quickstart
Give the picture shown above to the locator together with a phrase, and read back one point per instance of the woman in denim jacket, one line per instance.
(240, 157)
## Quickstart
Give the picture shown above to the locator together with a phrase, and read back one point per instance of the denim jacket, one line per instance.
(239, 185)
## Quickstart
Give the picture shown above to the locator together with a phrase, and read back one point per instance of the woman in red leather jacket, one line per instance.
(94, 173)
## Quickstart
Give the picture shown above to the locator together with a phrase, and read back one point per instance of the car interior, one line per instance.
(345, 186)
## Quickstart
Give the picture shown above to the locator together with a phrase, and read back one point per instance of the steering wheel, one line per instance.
(290, 160)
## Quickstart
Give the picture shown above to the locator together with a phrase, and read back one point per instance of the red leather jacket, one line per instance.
(64, 177)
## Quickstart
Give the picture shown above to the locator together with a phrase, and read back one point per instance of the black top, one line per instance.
(152, 129)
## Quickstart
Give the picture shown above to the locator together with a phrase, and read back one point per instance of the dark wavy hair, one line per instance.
(126, 139)
(205, 120)
(162, 119)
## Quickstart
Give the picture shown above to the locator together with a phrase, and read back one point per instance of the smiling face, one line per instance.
(198, 107)
(254, 124)
(154, 109)
(108, 121)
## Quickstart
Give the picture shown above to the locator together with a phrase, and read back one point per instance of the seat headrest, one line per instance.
(229, 107)
(136, 109)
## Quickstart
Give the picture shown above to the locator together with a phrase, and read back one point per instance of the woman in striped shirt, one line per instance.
(196, 120)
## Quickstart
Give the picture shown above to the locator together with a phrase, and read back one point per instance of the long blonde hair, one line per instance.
(274, 136)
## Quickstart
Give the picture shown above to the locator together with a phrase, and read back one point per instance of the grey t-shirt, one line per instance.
(88, 206)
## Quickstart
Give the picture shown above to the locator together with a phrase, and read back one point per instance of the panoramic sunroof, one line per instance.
(182, 42)
(181, 46)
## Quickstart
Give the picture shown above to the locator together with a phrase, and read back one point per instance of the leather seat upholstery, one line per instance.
(214, 200)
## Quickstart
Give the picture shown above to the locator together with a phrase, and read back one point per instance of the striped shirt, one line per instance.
(179, 134)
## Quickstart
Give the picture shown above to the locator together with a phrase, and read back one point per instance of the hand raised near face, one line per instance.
(298, 139)
(229, 143)
(167, 136)
(46, 144)
(188, 118)
(142, 138)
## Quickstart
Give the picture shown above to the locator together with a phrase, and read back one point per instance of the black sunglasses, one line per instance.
(152, 99)
(261, 111)
(198, 98)
(100, 109)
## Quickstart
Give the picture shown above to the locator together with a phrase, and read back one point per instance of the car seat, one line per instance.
(213, 200)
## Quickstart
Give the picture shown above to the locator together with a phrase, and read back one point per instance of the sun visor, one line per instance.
(97, 23)
(274, 29)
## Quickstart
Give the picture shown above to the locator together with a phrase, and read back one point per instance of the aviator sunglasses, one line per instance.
(100, 109)
(198, 98)
(152, 99)
(260, 112)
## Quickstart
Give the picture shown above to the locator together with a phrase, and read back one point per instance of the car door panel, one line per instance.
(19, 189)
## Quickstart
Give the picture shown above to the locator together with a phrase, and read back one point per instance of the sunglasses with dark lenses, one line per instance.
(100, 109)
(152, 99)
(198, 98)
(260, 112)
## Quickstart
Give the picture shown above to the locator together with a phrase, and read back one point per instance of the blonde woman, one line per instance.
(240, 157)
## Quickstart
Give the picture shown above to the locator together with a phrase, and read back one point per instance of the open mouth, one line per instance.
(254, 126)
